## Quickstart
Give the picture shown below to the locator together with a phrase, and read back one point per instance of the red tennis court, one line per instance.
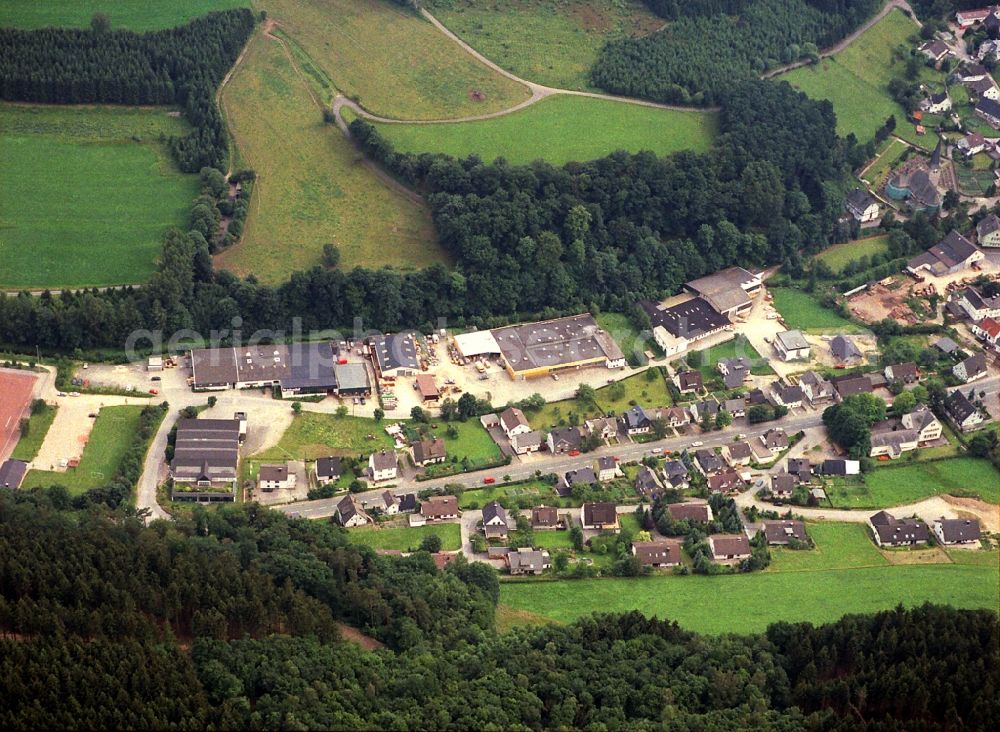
(15, 403)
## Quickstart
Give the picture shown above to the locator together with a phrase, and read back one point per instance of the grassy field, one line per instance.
(313, 435)
(706, 359)
(839, 255)
(553, 42)
(752, 600)
(139, 15)
(838, 546)
(637, 388)
(473, 444)
(893, 486)
(109, 440)
(856, 79)
(312, 187)
(886, 161)
(28, 446)
(87, 194)
(539, 491)
(405, 538)
(561, 129)
(621, 328)
(391, 61)
(801, 311)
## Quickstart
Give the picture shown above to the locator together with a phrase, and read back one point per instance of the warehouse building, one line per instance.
(393, 355)
(538, 349)
(299, 368)
(206, 455)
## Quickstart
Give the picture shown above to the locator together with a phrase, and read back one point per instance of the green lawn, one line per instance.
(313, 188)
(314, 435)
(706, 360)
(109, 440)
(537, 491)
(838, 256)
(561, 129)
(552, 540)
(553, 42)
(856, 80)
(975, 558)
(838, 546)
(473, 444)
(28, 446)
(885, 162)
(87, 194)
(624, 332)
(637, 388)
(897, 485)
(801, 311)
(406, 538)
(748, 603)
(139, 15)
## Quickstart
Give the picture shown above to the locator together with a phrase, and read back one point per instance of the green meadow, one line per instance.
(138, 15)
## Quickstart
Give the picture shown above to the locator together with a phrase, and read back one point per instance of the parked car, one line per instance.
(657, 450)
(154, 378)
(61, 393)
(154, 392)
(489, 480)
(697, 443)
(573, 453)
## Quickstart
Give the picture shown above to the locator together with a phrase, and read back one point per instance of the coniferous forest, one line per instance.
(230, 619)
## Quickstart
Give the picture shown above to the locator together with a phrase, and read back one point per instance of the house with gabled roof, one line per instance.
(862, 205)
(689, 382)
(527, 561)
(957, 531)
(788, 395)
(775, 440)
(962, 412)
(952, 254)
(564, 439)
(972, 368)
(601, 516)
(429, 452)
(637, 421)
(843, 350)
(513, 422)
(660, 553)
(647, 485)
(988, 231)
(890, 531)
(738, 453)
(494, 521)
(676, 474)
(545, 517)
(783, 485)
(527, 442)
(694, 511)
(349, 514)
(729, 548)
(815, 388)
(439, 508)
(725, 482)
(987, 329)
(784, 532)
(905, 373)
(382, 466)
(708, 462)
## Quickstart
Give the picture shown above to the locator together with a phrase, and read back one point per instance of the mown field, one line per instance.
(897, 485)
(856, 79)
(552, 42)
(839, 255)
(838, 546)
(405, 538)
(88, 193)
(139, 15)
(391, 61)
(886, 161)
(38, 426)
(109, 440)
(612, 399)
(312, 187)
(561, 129)
(801, 311)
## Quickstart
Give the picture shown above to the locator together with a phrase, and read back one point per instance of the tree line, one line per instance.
(708, 49)
(227, 620)
(181, 66)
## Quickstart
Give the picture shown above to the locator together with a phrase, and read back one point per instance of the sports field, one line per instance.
(552, 42)
(893, 485)
(139, 15)
(405, 538)
(856, 79)
(88, 193)
(802, 312)
(561, 129)
(839, 255)
(16, 389)
(391, 61)
(110, 439)
(313, 187)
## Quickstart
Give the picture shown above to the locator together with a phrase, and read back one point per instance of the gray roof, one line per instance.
(790, 394)
(584, 476)
(709, 461)
(723, 289)
(383, 459)
(494, 510)
(646, 482)
(988, 225)
(273, 473)
(351, 376)
(566, 436)
(988, 107)
(347, 509)
(636, 417)
(782, 532)
(958, 530)
(902, 371)
(792, 340)
(775, 438)
(945, 345)
(395, 351)
(690, 319)
(783, 482)
(527, 560)
(859, 199)
(555, 342)
(895, 531)
(734, 405)
(206, 449)
(530, 439)
(974, 364)
(606, 462)
(959, 406)
(328, 466)
(843, 348)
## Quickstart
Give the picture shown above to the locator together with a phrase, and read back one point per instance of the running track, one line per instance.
(15, 399)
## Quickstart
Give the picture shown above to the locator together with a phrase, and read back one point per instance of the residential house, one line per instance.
(705, 409)
(815, 388)
(607, 469)
(962, 412)
(527, 442)
(971, 72)
(957, 531)
(584, 476)
(977, 306)
(905, 373)
(698, 512)
(801, 468)
(952, 254)
(987, 49)
(971, 144)
(439, 508)
(601, 516)
(862, 205)
(972, 368)
(968, 18)
(936, 103)
(676, 416)
(689, 382)
(738, 453)
(676, 474)
(923, 421)
(275, 477)
(349, 514)
(985, 88)
(725, 482)
(327, 469)
(729, 548)
(988, 231)
(775, 440)
(782, 533)
(989, 110)
(408, 503)
(564, 439)
(987, 329)
(850, 385)
(429, 452)
(788, 396)
(545, 517)
(935, 50)
(527, 561)
(889, 438)
(390, 503)
(756, 397)
(783, 485)
(736, 407)
(760, 453)
(890, 531)
(647, 485)
(837, 466)
(637, 421)
(661, 553)
(844, 351)
(382, 465)
(734, 371)
(513, 422)
(604, 427)
(946, 345)
(708, 462)
(494, 521)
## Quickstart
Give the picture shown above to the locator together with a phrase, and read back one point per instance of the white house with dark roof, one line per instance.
(513, 422)
(382, 465)
(972, 368)
(791, 345)
(815, 387)
(957, 531)
(788, 396)
(327, 469)
(972, 144)
(607, 468)
(349, 514)
(962, 412)
(862, 205)
(952, 254)
(494, 521)
(936, 103)
(988, 231)
(977, 306)
(275, 477)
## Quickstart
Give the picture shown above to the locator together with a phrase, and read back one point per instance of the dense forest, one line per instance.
(709, 48)
(181, 66)
(230, 619)
(532, 239)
